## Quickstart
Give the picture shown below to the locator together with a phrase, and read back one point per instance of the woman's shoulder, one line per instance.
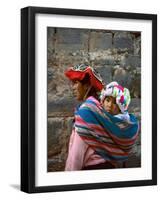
(91, 100)
(87, 112)
(89, 108)
(89, 104)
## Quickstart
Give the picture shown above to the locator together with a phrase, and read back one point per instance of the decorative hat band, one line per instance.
(78, 72)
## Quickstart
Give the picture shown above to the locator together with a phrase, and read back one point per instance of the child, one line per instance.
(115, 99)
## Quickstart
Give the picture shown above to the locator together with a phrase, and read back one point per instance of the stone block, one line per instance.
(59, 130)
(122, 76)
(55, 127)
(100, 41)
(50, 73)
(63, 106)
(136, 86)
(51, 33)
(133, 61)
(51, 37)
(135, 107)
(69, 39)
(71, 57)
(106, 73)
(58, 84)
(133, 161)
(123, 40)
(55, 165)
(103, 61)
(137, 46)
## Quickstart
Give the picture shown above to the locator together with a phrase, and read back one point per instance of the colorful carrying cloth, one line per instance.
(110, 137)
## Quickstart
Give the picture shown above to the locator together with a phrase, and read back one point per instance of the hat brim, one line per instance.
(79, 75)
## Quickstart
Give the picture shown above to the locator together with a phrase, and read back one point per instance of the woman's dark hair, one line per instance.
(93, 92)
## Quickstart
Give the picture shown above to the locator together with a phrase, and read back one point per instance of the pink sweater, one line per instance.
(80, 154)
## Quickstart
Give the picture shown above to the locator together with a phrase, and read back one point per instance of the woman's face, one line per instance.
(110, 105)
(79, 90)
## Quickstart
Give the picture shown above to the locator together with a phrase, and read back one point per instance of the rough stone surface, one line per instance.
(59, 130)
(105, 72)
(51, 43)
(117, 57)
(100, 41)
(71, 39)
(123, 40)
(132, 60)
(122, 76)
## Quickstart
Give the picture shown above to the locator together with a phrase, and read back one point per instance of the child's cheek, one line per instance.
(114, 109)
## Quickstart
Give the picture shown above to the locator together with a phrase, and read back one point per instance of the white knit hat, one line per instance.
(121, 94)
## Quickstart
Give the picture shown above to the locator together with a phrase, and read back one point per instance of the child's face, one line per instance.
(110, 105)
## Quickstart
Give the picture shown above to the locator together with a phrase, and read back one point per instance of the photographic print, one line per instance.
(88, 99)
(116, 55)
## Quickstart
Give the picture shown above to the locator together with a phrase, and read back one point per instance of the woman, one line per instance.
(98, 140)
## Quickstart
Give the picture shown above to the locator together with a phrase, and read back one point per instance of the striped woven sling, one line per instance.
(109, 136)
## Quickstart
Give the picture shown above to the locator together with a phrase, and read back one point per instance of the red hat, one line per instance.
(78, 72)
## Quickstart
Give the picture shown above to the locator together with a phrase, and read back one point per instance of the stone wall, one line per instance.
(117, 57)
